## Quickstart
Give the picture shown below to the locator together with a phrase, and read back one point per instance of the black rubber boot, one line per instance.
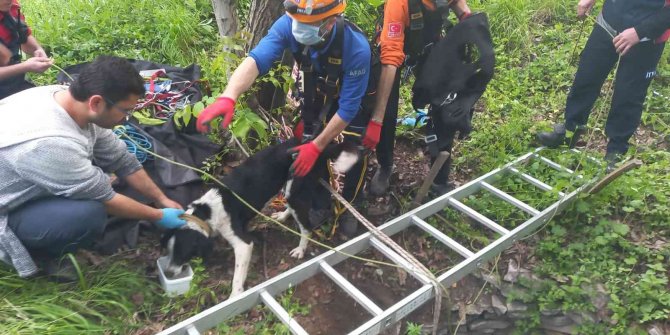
(348, 224)
(60, 270)
(380, 181)
(613, 159)
(437, 190)
(552, 139)
(558, 137)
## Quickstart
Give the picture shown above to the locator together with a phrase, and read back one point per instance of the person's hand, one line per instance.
(170, 219)
(464, 16)
(299, 130)
(168, 203)
(372, 134)
(584, 7)
(40, 53)
(38, 64)
(223, 106)
(626, 40)
(307, 155)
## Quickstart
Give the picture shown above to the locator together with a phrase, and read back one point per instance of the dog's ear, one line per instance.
(166, 237)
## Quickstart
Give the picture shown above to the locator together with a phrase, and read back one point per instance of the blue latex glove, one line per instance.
(170, 219)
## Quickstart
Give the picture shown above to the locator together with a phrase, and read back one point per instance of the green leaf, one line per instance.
(657, 266)
(630, 260)
(620, 228)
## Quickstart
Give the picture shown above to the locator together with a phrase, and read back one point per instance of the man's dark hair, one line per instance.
(112, 77)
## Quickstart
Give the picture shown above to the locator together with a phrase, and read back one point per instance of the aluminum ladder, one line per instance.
(264, 293)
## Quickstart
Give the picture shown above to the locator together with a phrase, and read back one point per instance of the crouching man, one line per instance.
(55, 149)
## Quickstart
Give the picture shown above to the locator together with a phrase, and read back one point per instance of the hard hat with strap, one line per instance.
(309, 11)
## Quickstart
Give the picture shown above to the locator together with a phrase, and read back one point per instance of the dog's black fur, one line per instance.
(257, 181)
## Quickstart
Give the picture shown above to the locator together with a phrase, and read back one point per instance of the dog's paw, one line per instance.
(298, 253)
(281, 216)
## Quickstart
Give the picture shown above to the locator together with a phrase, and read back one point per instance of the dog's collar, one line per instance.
(200, 222)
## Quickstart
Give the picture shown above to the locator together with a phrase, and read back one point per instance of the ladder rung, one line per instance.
(281, 313)
(512, 200)
(558, 167)
(475, 215)
(442, 237)
(553, 165)
(350, 289)
(192, 331)
(398, 260)
(532, 180)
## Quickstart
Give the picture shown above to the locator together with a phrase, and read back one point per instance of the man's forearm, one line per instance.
(386, 79)
(31, 45)
(124, 207)
(334, 127)
(141, 182)
(242, 79)
(12, 70)
(459, 7)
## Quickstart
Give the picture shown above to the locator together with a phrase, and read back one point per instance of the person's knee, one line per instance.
(96, 216)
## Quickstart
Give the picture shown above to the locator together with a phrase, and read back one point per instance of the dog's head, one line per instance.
(190, 241)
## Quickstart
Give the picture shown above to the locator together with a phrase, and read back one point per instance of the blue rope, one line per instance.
(142, 140)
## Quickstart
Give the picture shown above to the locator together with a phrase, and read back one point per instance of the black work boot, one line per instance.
(437, 190)
(60, 270)
(380, 181)
(613, 159)
(557, 137)
(552, 139)
(348, 224)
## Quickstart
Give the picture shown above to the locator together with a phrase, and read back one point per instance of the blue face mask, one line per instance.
(306, 34)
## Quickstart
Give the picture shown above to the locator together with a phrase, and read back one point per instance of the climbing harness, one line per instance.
(163, 97)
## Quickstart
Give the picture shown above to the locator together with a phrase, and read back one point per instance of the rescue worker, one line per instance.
(16, 36)
(634, 33)
(409, 28)
(334, 58)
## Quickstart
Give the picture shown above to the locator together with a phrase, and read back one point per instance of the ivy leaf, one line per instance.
(658, 267)
(600, 240)
(620, 229)
(630, 260)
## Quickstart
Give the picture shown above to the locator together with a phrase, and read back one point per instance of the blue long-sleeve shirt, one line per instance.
(355, 61)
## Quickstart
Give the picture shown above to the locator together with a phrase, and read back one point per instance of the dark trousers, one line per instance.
(318, 196)
(387, 136)
(633, 77)
(52, 227)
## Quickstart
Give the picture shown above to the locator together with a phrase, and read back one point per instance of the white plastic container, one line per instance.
(175, 286)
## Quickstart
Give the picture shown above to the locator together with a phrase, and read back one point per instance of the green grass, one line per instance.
(41, 307)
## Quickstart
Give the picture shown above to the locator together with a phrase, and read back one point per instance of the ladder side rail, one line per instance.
(213, 316)
(401, 309)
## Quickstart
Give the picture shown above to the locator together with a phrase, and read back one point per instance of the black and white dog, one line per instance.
(257, 181)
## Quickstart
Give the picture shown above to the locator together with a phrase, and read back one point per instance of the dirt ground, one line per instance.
(331, 311)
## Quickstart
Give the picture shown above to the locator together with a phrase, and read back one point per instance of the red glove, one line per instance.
(372, 133)
(299, 130)
(223, 106)
(307, 155)
(464, 16)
